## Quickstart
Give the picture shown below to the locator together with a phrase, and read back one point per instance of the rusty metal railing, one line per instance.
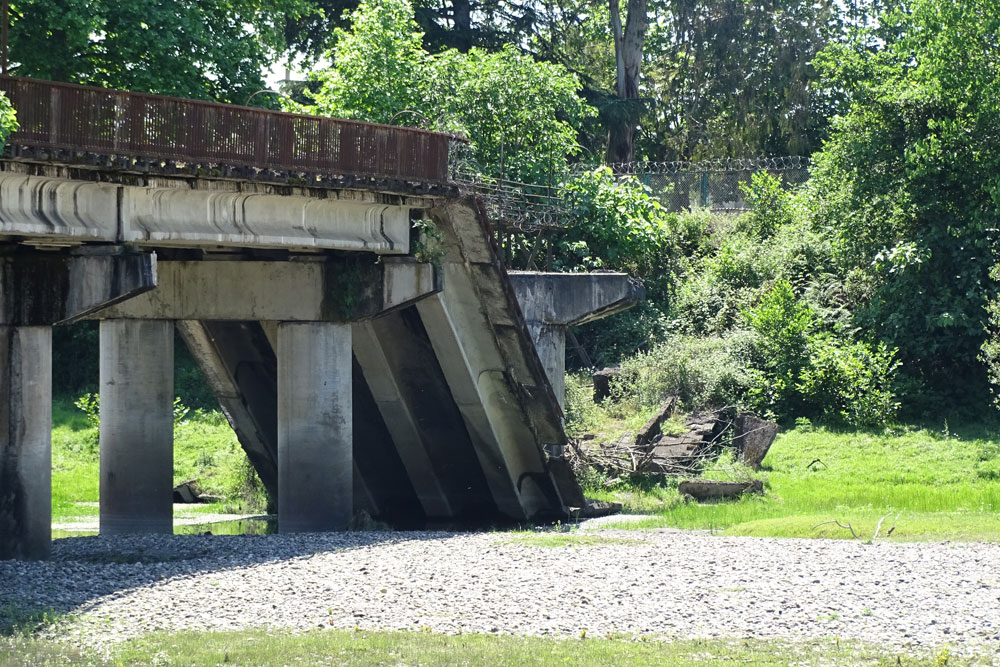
(110, 122)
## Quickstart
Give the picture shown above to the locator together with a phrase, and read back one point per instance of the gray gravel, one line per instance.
(653, 583)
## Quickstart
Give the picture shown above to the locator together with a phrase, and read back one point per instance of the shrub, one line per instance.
(850, 382)
(702, 372)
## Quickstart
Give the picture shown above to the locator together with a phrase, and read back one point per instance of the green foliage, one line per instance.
(8, 119)
(205, 50)
(907, 184)
(770, 206)
(90, 405)
(702, 372)
(613, 223)
(849, 382)
(520, 115)
(379, 66)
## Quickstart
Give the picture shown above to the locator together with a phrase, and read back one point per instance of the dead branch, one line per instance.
(879, 526)
(814, 462)
(847, 527)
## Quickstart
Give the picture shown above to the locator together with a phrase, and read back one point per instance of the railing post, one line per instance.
(54, 105)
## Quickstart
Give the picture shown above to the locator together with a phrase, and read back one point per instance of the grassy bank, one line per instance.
(424, 648)
(942, 485)
(205, 448)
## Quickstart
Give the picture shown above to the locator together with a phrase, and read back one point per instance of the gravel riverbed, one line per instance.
(653, 583)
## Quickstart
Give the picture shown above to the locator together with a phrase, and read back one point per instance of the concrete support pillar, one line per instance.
(550, 342)
(315, 434)
(25, 442)
(137, 426)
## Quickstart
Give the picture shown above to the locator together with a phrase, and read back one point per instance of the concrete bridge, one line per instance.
(345, 302)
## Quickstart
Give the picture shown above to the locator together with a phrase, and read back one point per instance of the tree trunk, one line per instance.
(462, 15)
(628, 60)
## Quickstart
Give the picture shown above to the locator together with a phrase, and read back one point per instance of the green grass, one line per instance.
(943, 486)
(205, 448)
(427, 648)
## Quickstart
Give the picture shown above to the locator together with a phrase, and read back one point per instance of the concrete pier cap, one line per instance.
(552, 302)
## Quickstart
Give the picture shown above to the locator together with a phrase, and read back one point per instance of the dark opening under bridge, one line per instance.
(363, 364)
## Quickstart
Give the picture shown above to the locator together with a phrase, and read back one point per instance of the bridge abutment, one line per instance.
(137, 426)
(25, 442)
(315, 430)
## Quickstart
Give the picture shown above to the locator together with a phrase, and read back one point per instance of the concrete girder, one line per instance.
(552, 302)
(399, 420)
(40, 288)
(57, 210)
(341, 289)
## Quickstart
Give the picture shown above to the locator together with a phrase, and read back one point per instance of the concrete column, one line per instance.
(550, 342)
(315, 434)
(25, 442)
(137, 426)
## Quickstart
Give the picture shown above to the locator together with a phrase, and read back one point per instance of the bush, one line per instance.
(850, 382)
(702, 372)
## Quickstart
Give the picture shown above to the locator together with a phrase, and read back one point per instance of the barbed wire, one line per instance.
(677, 185)
(776, 163)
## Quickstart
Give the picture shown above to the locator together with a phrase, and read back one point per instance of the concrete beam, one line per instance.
(571, 299)
(39, 288)
(315, 436)
(137, 426)
(56, 210)
(25, 442)
(340, 289)
(400, 422)
(476, 375)
(240, 370)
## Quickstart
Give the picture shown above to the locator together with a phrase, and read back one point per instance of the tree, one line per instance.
(908, 184)
(202, 49)
(521, 116)
(727, 78)
(628, 59)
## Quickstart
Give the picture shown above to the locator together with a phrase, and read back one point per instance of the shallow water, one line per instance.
(262, 525)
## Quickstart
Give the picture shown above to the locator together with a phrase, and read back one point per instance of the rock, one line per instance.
(602, 382)
(753, 437)
(652, 430)
(712, 490)
(187, 492)
(596, 508)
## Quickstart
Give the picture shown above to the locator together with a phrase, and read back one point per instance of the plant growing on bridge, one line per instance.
(8, 120)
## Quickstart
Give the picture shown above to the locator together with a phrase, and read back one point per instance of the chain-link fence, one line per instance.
(712, 184)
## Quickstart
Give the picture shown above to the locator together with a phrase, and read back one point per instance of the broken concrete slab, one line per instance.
(753, 438)
(704, 489)
(602, 380)
(653, 428)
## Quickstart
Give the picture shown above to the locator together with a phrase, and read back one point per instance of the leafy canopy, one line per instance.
(909, 183)
(202, 49)
(521, 116)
